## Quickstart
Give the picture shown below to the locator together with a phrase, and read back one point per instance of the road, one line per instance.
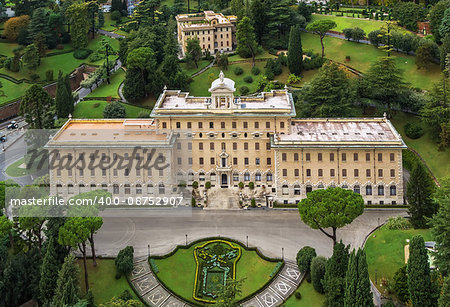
(270, 230)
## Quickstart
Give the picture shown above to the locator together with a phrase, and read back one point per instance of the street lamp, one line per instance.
(282, 253)
(148, 250)
(186, 239)
(247, 242)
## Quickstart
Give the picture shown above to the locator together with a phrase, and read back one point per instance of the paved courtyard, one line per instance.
(269, 230)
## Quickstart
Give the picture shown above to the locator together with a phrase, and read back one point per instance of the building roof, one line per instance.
(222, 82)
(354, 132)
(203, 20)
(109, 133)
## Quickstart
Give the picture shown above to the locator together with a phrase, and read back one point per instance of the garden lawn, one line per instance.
(178, 272)
(385, 251)
(437, 161)
(368, 25)
(262, 55)
(94, 109)
(18, 169)
(106, 90)
(6, 49)
(362, 56)
(310, 297)
(192, 70)
(102, 281)
(109, 23)
(11, 90)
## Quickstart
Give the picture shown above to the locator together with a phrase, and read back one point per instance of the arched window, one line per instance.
(297, 190)
(127, 189)
(393, 190)
(235, 177)
(258, 176)
(380, 190)
(161, 189)
(191, 176)
(269, 176)
(150, 189)
(308, 188)
(357, 189)
(246, 176)
(179, 176)
(285, 189)
(213, 177)
(201, 176)
(320, 186)
(138, 189)
(58, 188)
(70, 188)
(115, 189)
(368, 189)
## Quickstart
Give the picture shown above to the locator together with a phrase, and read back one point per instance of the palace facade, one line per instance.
(215, 31)
(226, 139)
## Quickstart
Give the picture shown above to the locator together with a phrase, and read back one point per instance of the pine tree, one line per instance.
(419, 191)
(31, 57)
(246, 42)
(116, 5)
(419, 280)
(38, 24)
(134, 85)
(49, 273)
(351, 281)
(67, 290)
(295, 52)
(334, 280)
(36, 107)
(61, 98)
(364, 296)
(444, 299)
(259, 18)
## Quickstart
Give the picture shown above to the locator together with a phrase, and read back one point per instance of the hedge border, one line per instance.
(185, 247)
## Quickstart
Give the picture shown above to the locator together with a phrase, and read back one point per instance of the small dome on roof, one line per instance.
(222, 82)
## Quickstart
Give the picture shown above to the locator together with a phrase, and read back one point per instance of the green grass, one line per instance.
(11, 90)
(437, 161)
(178, 272)
(102, 281)
(6, 49)
(14, 170)
(112, 89)
(192, 70)
(310, 297)
(88, 109)
(385, 251)
(262, 55)
(362, 56)
(368, 25)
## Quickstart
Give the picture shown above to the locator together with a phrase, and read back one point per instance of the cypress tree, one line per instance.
(61, 97)
(70, 102)
(364, 296)
(49, 273)
(444, 299)
(295, 52)
(67, 290)
(134, 85)
(419, 192)
(351, 281)
(334, 280)
(419, 280)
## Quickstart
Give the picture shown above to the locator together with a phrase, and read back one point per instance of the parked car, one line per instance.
(12, 125)
(3, 138)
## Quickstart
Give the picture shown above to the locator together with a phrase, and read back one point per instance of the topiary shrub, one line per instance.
(114, 110)
(244, 90)
(251, 185)
(241, 185)
(207, 185)
(124, 261)
(193, 202)
(413, 130)
(397, 222)
(238, 71)
(317, 268)
(248, 79)
(255, 70)
(304, 258)
(195, 184)
(253, 203)
(81, 54)
(298, 295)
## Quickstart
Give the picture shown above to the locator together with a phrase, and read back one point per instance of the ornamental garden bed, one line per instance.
(194, 272)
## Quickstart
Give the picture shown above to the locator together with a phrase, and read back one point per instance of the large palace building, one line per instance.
(215, 31)
(225, 140)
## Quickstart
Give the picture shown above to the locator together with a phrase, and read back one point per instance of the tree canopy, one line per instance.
(321, 27)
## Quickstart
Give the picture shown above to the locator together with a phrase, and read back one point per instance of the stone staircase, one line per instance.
(222, 199)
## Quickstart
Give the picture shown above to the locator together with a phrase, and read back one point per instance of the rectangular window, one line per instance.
(380, 173)
(179, 161)
(81, 172)
(356, 172)
(355, 156)
(200, 125)
(212, 161)
(284, 172)
(331, 156)
(233, 124)
(246, 161)
(367, 156)
(392, 172)
(308, 172)
(282, 125)
(178, 125)
(344, 172)
(189, 125)
(115, 172)
(245, 146)
(392, 157)
(308, 157)
(284, 156)
(222, 125)
(245, 125)
(200, 146)
(234, 146)
(235, 161)
(295, 156)
(268, 146)
(344, 157)
(179, 146)
(267, 125)
(127, 172)
(256, 125)
(269, 161)
(190, 161)
(164, 125)
(296, 172)
(319, 157)
(200, 161)
(257, 161)
(368, 172)
(320, 172)
(211, 146)
(211, 125)
(189, 146)
(332, 172)
(104, 171)
(256, 146)
(380, 157)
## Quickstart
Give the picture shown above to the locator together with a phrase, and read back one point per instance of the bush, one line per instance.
(124, 261)
(195, 185)
(96, 56)
(238, 71)
(34, 77)
(207, 185)
(253, 203)
(292, 79)
(241, 185)
(96, 105)
(244, 90)
(413, 130)
(397, 222)
(318, 265)
(193, 202)
(255, 70)
(114, 110)
(251, 185)
(348, 32)
(298, 295)
(49, 75)
(304, 257)
(81, 54)
(248, 79)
